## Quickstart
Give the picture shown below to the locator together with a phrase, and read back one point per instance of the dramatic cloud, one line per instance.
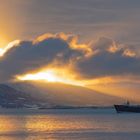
(33, 55)
(102, 58)
(109, 59)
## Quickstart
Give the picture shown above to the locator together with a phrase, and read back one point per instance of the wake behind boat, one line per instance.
(127, 108)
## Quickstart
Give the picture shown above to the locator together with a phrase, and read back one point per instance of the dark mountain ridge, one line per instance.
(52, 94)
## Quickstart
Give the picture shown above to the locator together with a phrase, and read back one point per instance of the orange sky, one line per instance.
(101, 43)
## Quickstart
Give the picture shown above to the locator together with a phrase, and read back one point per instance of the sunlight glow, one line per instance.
(52, 75)
(9, 46)
(1, 51)
(60, 75)
(49, 76)
(3, 42)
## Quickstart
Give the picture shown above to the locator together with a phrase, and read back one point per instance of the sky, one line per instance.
(90, 19)
(94, 42)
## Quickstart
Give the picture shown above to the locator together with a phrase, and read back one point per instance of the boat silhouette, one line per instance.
(127, 108)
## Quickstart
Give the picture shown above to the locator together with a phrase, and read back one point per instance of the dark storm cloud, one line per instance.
(111, 59)
(30, 55)
(102, 58)
(109, 64)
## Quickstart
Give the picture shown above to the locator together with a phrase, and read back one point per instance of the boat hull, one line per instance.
(127, 108)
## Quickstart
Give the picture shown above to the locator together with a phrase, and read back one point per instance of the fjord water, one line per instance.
(68, 124)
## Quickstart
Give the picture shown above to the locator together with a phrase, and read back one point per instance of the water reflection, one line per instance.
(71, 126)
(10, 124)
(38, 127)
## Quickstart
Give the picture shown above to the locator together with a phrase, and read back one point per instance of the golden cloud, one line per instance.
(68, 60)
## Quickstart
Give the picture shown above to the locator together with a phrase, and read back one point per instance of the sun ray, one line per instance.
(51, 75)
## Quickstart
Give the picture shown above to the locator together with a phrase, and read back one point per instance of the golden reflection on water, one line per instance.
(8, 124)
(65, 126)
(52, 123)
(36, 127)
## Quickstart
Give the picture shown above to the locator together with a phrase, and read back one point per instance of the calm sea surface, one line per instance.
(68, 124)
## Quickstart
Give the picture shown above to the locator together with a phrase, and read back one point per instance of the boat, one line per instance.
(127, 108)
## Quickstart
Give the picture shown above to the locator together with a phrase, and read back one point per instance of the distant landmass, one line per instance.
(47, 95)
